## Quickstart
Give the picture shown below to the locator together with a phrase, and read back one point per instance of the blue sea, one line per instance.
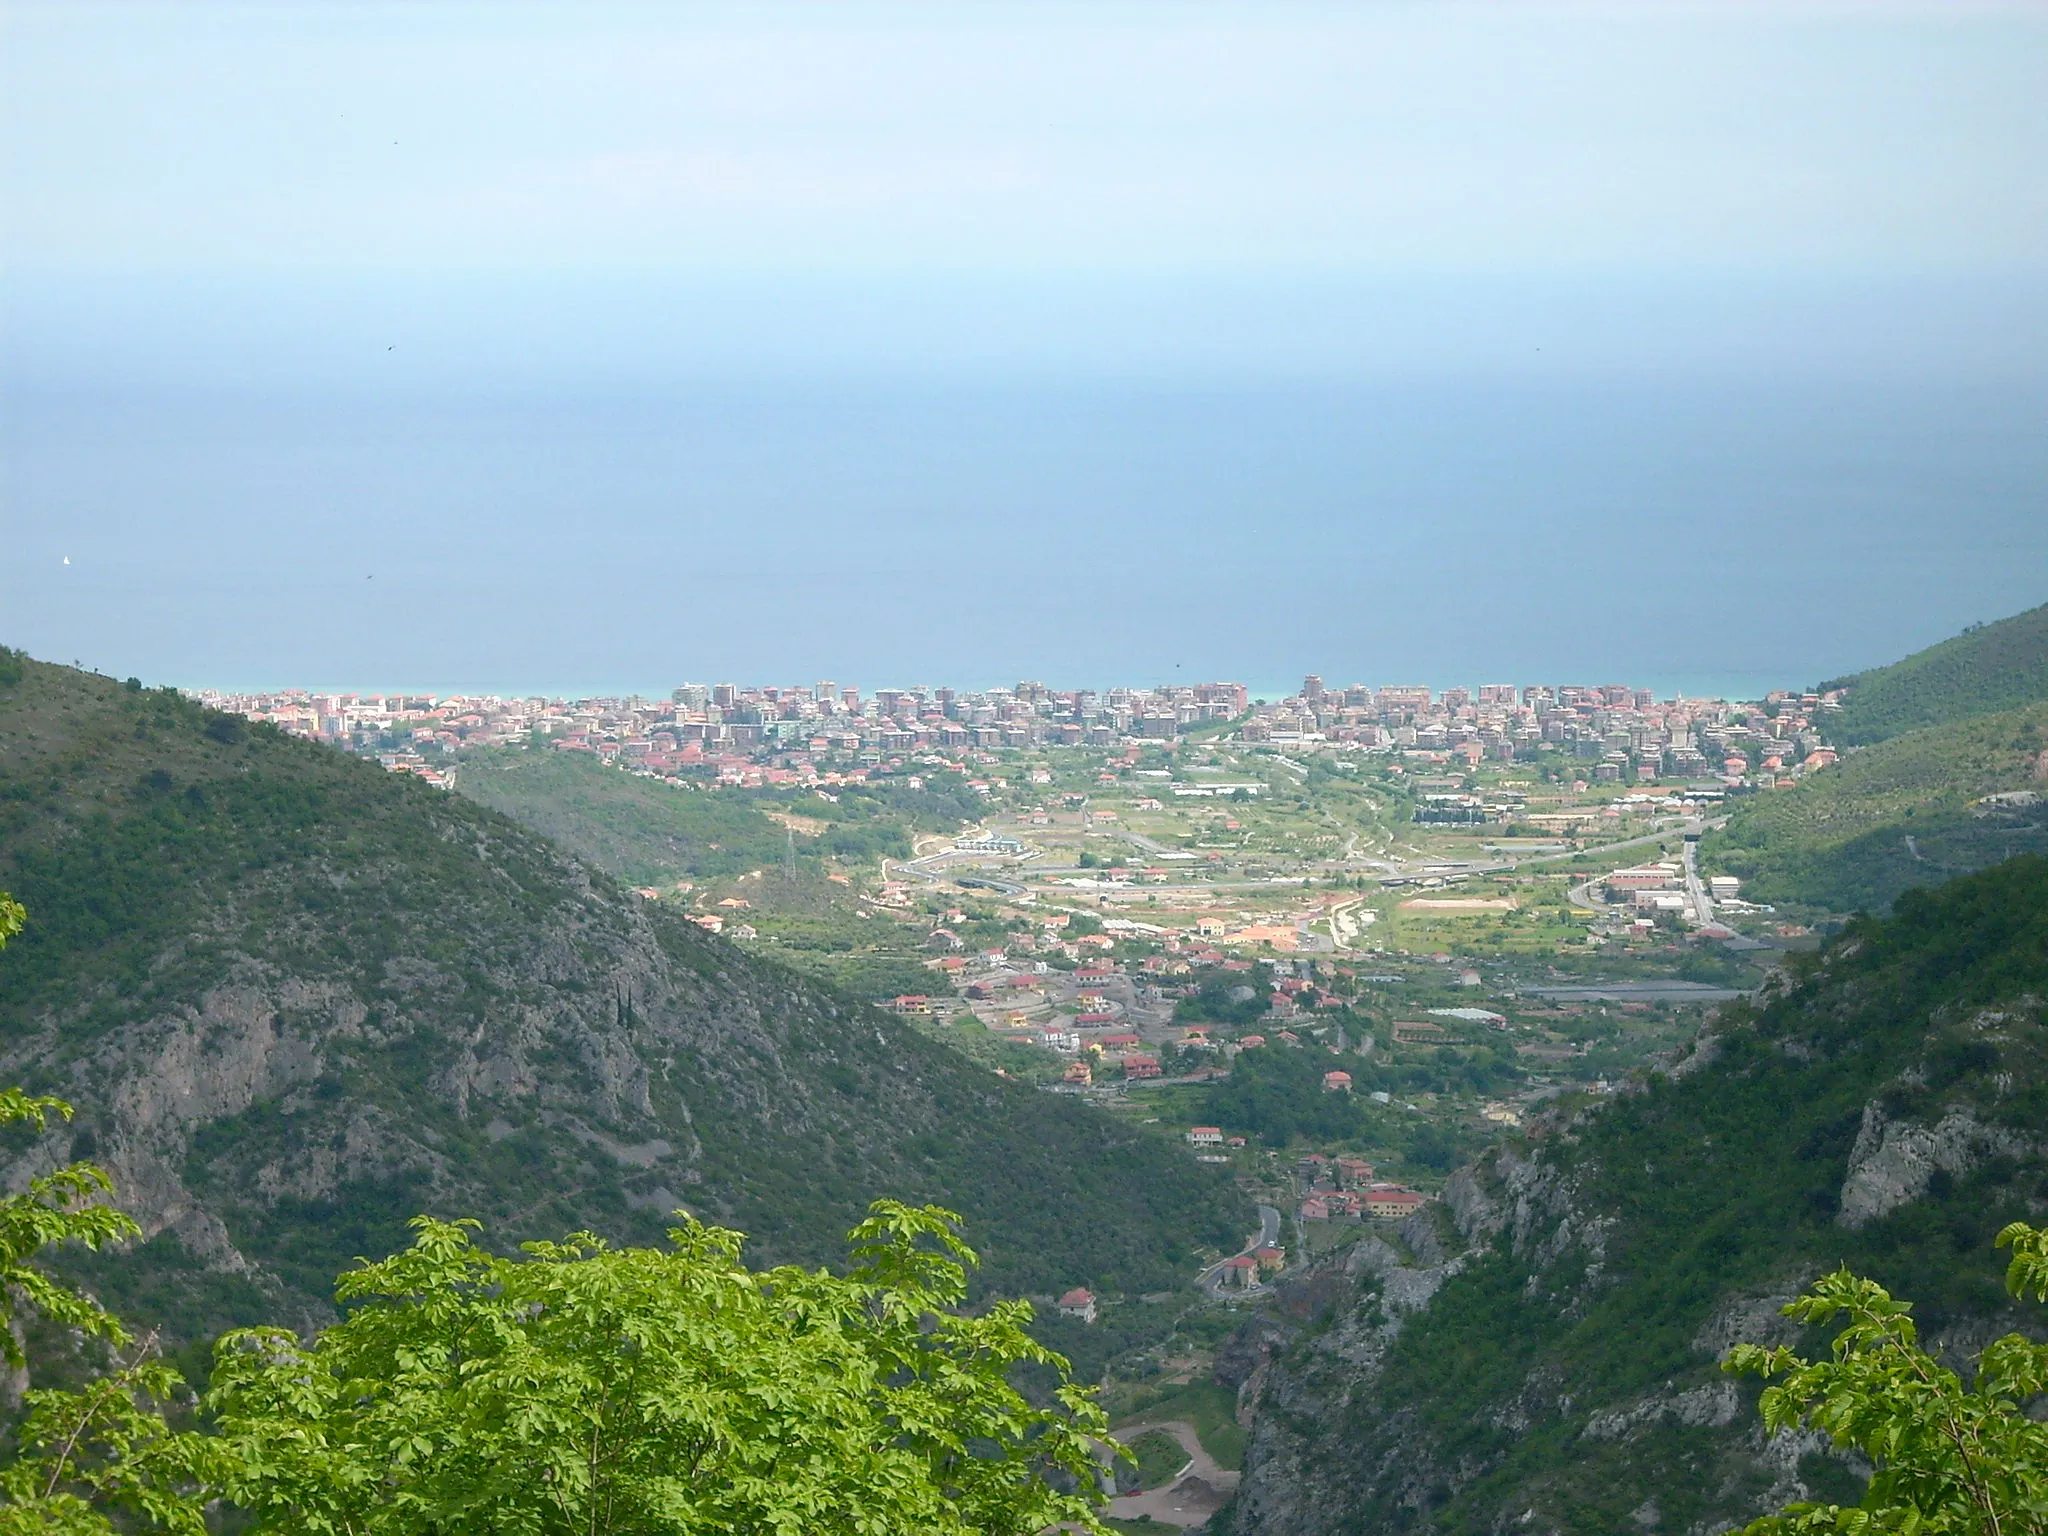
(1719, 527)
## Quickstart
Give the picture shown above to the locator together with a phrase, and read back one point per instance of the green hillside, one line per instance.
(647, 832)
(298, 999)
(1986, 669)
(1895, 815)
(1540, 1353)
(640, 830)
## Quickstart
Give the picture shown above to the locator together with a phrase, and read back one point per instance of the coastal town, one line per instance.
(777, 735)
(1452, 906)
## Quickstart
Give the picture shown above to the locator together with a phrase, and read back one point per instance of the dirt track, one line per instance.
(1190, 1499)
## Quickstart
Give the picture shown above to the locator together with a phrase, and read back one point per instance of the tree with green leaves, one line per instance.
(82, 1454)
(1949, 1457)
(582, 1388)
(574, 1390)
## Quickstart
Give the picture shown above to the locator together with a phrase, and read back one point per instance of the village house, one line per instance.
(1390, 1202)
(1206, 1136)
(1078, 1303)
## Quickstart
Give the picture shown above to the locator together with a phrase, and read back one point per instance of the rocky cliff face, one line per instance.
(1538, 1352)
(298, 1000)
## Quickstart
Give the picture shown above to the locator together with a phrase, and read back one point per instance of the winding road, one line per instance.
(1268, 1237)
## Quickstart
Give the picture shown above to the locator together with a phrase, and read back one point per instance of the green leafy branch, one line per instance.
(1948, 1457)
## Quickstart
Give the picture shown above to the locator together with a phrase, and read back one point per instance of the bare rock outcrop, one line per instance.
(1894, 1161)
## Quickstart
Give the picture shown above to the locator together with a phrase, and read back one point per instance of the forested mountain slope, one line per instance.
(1986, 669)
(298, 999)
(1908, 811)
(1539, 1353)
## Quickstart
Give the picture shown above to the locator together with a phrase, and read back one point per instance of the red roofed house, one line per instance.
(1269, 1258)
(1239, 1271)
(1336, 1082)
(1108, 1042)
(1078, 1303)
(1206, 1136)
(1343, 1207)
(1315, 1208)
(1391, 1203)
(1141, 1066)
(1251, 1040)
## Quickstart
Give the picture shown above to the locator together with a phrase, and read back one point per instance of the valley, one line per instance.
(1296, 1075)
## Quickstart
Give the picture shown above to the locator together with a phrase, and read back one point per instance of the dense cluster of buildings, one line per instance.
(740, 728)
(1346, 1189)
(1623, 733)
(776, 734)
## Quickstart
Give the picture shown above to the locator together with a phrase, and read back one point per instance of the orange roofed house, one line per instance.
(1391, 1203)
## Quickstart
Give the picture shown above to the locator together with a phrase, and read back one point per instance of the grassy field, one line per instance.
(1160, 1458)
(1212, 1409)
(1534, 927)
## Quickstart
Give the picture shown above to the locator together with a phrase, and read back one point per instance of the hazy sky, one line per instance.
(623, 344)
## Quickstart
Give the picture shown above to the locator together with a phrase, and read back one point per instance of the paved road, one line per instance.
(1695, 887)
(1210, 1279)
(1581, 895)
(1145, 844)
(935, 867)
(1690, 824)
